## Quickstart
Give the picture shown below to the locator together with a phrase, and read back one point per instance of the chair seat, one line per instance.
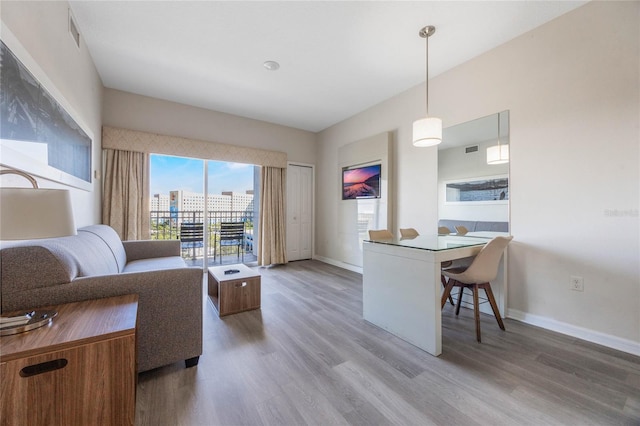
(453, 271)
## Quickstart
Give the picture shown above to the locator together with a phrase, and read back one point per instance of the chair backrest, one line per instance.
(462, 230)
(380, 234)
(408, 233)
(231, 231)
(484, 267)
(443, 230)
(191, 232)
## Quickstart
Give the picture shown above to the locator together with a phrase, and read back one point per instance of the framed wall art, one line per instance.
(38, 135)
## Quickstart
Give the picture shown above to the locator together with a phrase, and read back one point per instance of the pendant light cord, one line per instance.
(425, 33)
(427, 74)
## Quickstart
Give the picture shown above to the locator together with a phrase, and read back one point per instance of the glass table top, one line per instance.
(434, 242)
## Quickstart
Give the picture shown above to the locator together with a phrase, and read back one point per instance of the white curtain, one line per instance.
(125, 193)
(272, 242)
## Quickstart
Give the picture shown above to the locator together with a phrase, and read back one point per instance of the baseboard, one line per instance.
(607, 340)
(339, 264)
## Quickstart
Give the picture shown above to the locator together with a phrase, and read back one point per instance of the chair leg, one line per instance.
(460, 294)
(444, 284)
(494, 305)
(476, 312)
(446, 293)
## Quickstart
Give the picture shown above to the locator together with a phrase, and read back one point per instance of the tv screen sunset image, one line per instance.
(362, 182)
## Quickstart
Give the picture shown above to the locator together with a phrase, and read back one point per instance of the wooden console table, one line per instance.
(78, 370)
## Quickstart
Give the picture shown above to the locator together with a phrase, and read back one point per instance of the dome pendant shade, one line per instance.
(498, 154)
(427, 132)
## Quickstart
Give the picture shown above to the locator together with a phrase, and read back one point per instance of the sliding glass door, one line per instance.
(207, 205)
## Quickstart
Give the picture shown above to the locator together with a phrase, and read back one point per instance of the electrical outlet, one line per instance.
(576, 283)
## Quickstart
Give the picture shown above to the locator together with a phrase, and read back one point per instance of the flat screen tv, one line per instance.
(361, 182)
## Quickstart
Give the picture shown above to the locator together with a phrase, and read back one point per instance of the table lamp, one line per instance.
(32, 213)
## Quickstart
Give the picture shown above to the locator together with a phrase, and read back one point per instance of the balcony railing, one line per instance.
(166, 225)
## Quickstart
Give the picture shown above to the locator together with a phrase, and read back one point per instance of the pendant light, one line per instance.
(498, 154)
(427, 131)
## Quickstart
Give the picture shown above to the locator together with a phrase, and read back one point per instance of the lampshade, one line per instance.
(30, 213)
(498, 154)
(427, 132)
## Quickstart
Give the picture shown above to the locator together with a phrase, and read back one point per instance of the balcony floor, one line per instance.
(225, 259)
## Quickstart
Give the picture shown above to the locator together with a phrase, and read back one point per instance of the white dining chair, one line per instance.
(380, 234)
(482, 270)
(408, 233)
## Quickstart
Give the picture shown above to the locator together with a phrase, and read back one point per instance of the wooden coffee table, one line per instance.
(234, 292)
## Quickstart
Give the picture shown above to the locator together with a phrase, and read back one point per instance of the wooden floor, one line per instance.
(307, 357)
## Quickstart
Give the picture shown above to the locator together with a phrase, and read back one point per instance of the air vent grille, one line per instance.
(471, 149)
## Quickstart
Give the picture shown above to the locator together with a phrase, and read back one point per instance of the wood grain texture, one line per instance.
(76, 323)
(95, 382)
(234, 293)
(307, 357)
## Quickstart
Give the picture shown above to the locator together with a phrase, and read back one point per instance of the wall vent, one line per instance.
(470, 149)
(73, 30)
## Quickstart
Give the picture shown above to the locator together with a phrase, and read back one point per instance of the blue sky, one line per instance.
(174, 173)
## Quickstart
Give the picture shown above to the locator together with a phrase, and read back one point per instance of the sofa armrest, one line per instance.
(147, 249)
(170, 307)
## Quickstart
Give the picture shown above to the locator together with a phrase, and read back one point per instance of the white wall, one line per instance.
(41, 29)
(136, 112)
(412, 169)
(377, 211)
(574, 99)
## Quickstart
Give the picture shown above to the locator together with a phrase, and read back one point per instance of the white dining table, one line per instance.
(402, 287)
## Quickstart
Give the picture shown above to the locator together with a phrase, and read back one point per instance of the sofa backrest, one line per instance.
(474, 225)
(47, 262)
(111, 239)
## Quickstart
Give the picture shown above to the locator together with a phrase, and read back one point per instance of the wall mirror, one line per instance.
(470, 190)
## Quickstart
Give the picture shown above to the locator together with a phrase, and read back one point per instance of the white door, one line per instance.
(299, 212)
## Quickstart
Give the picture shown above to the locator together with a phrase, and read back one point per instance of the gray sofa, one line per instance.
(474, 225)
(95, 264)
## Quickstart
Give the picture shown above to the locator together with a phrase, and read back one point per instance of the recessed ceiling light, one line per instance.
(271, 65)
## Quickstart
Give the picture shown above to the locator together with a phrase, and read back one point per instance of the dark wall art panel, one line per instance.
(35, 124)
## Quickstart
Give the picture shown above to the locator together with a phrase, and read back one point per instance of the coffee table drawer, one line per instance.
(239, 295)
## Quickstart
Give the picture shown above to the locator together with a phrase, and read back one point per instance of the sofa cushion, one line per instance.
(154, 264)
(111, 239)
(492, 226)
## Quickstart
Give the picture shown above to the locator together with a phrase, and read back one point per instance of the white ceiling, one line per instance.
(336, 58)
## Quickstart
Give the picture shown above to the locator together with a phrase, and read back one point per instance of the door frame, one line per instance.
(313, 201)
